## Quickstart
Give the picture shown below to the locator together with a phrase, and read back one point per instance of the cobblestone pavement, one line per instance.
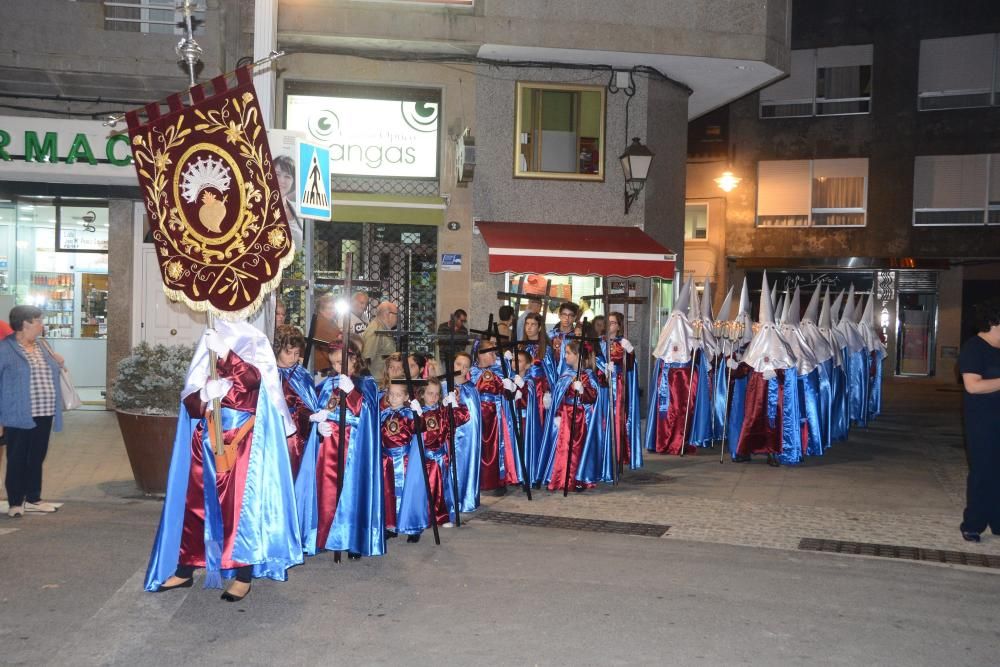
(900, 481)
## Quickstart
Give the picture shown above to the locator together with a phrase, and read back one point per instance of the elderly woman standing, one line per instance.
(30, 405)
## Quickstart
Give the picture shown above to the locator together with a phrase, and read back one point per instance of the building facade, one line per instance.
(873, 163)
(504, 112)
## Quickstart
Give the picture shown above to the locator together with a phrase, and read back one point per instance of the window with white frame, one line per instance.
(695, 221)
(150, 16)
(956, 190)
(958, 72)
(812, 193)
(822, 82)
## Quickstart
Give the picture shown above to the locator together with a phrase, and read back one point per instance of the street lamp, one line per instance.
(635, 163)
(728, 181)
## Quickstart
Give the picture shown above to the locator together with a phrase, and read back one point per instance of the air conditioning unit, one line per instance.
(465, 157)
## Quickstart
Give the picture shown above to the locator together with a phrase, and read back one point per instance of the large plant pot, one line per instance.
(149, 441)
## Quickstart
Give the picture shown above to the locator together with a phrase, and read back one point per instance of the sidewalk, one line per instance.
(900, 481)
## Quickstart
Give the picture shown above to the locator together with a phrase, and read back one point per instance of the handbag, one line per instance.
(70, 397)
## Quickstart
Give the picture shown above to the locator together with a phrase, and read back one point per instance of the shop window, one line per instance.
(560, 131)
(695, 222)
(958, 72)
(53, 255)
(150, 16)
(956, 190)
(822, 82)
(812, 193)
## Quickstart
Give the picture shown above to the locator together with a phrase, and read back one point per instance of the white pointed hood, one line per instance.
(727, 305)
(708, 340)
(768, 351)
(847, 327)
(829, 331)
(868, 328)
(805, 358)
(676, 339)
(817, 341)
(744, 317)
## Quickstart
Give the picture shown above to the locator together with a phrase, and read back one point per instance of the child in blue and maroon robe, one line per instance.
(297, 386)
(498, 457)
(398, 424)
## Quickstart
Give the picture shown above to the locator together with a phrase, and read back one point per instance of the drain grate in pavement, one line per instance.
(897, 551)
(644, 478)
(568, 523)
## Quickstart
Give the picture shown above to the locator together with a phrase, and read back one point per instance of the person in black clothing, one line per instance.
(457, 324)
(979, 363)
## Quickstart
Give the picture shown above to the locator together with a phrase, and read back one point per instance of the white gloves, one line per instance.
(547, 400)
(215, 389)
(578, 387)
(319, 417)
(325, 429)
(557, 421)
(518, 395)
(216, 343)
(450, 401)
(345, 384)
(732, 363)
(508, 384)
(508, 355)
(519, 381)
(627, 346)
(415, 406)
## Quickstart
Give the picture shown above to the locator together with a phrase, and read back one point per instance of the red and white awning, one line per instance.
(581, 250)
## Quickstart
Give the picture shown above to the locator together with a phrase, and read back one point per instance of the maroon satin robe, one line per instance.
(437, 434)
(489, 461)
(567, 417)
(326, 462)
(393, 437)
(229, 483)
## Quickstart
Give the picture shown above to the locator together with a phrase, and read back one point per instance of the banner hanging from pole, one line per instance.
(215, 209)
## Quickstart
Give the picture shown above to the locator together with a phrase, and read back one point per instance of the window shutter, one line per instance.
(949, 181)
(842, 168)
(954, 64)
(783, 187)
(844, 56)
(800, 84)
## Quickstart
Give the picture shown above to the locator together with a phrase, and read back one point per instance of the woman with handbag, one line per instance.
(30, 406)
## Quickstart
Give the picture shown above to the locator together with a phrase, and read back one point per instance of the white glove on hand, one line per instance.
(627, 346)
(518, 395)
(578, 387)
(325, 429)
(732, 363)
(508, 355)
(449, 401)
(319, 417)
(519, 381)
(547, 400)
(415, 406)
(508, 384)
(215, 389)
(345, 384)
(557, 421)
(216, 343)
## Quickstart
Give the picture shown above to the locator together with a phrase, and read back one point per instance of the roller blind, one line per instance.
(949, 181)
(952, 64)
(844, 56)
(801, 81)
(783, 187)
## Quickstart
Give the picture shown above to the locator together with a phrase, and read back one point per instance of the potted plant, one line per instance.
(147, 394)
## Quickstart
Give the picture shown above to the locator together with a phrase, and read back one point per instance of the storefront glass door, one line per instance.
(916, 335)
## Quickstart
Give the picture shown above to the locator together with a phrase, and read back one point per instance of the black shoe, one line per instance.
(389, 534)
(353, 556)
(229, 597)
(187, 583)
(773, 461)
(579, 488)
(743, 458)
(502, 491)
(412, 539)
(536, 485)
(970, 536)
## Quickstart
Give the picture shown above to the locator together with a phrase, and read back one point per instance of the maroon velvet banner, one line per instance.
(213, 201)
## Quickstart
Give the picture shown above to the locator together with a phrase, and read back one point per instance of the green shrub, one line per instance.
(150, 380)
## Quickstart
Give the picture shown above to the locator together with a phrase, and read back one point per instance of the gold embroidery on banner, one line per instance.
(213, 263)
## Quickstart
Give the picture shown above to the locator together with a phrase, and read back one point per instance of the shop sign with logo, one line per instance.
(59, 150)
(368, 137)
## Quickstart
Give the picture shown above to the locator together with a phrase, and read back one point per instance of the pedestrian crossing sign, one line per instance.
(314, 186)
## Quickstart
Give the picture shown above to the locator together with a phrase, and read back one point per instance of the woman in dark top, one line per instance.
(979, 364)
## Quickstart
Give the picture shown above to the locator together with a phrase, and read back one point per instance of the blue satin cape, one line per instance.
(266, 533)
(468, 449)
(550, 432)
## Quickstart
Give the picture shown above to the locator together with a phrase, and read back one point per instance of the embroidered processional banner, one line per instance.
(213, 201)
